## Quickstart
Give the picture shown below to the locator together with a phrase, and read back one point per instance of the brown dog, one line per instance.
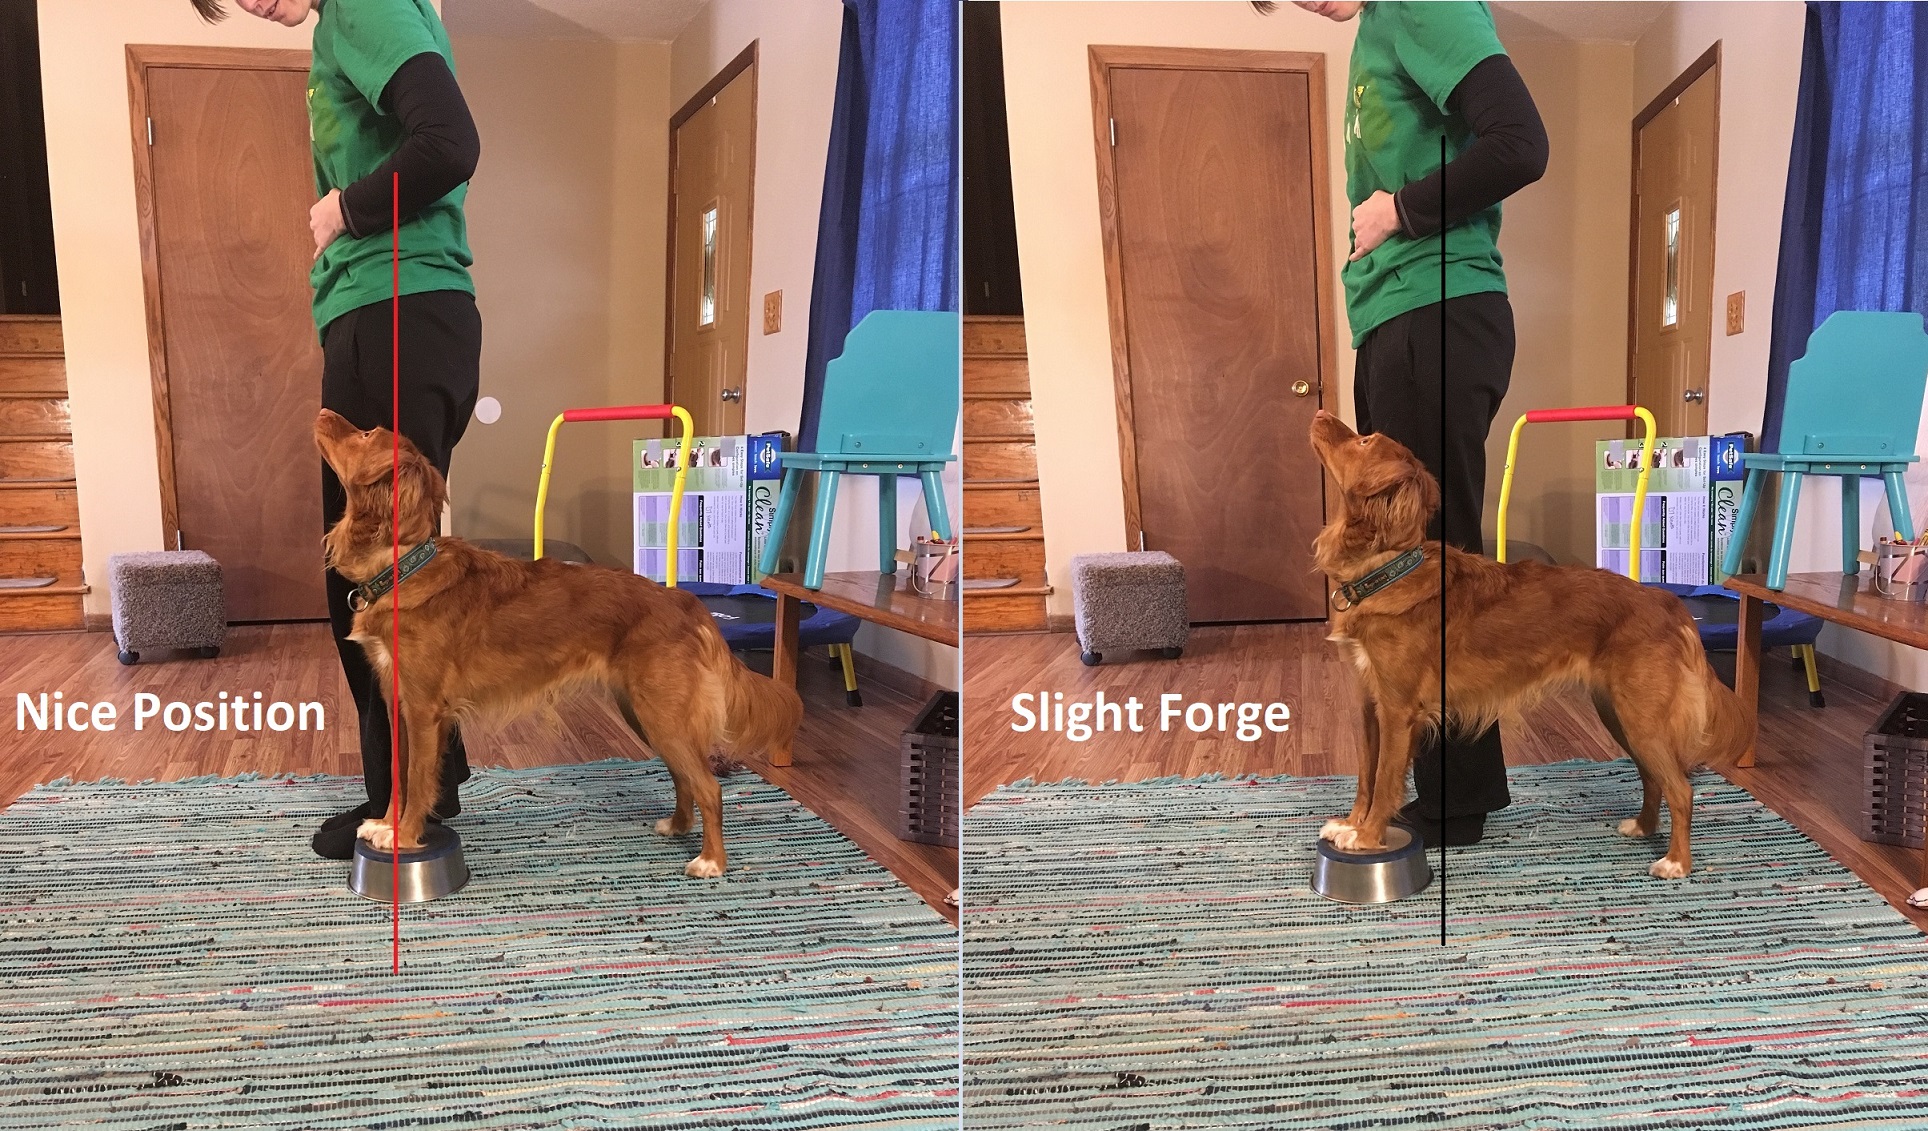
(1512, 632)
(485, 636)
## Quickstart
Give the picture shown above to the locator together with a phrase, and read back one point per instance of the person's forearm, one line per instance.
(439, 147)
(1508, 152)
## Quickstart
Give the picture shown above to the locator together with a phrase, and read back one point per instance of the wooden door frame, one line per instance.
(141, 58)
(1709, 61)
(746, 60)
(1103, 60)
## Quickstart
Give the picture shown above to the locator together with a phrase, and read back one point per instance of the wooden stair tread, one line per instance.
(1001, 438)
(1013, 591)
(37, 437)
(59, 533)
(998, 484)
(43, 591)
(994, 395)
(1028, 536)
(40, 484)
(33, 394)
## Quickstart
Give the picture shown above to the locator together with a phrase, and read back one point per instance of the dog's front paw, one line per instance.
(1355, 840)
(1667, 868)
(380, 835)
(1631, 827)
(703, 868)
(1332, 830)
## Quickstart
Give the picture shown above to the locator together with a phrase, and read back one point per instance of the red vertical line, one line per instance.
(395, 592)
(1444, 720)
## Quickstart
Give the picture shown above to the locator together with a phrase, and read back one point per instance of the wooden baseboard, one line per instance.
(1855, 679)
(1061, 622)
(100, 622)
(913, 687)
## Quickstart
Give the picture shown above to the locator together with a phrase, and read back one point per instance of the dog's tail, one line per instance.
(760, 715)
(1728, 731)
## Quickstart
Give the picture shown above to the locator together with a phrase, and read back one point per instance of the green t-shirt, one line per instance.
(1406, 61)
(359, 45)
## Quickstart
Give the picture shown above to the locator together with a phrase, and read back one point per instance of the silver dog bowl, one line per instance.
(430, 872)
(1373, 877)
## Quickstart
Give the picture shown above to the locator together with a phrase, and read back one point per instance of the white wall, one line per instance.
(798, 43)
(566, 223)
(1054, 184)
(90, 175)
(1564, 241)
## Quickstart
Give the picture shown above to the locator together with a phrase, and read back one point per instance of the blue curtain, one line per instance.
(1854, 235)
(887, 234)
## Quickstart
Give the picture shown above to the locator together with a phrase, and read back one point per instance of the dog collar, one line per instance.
(372, 590)
(1353, 592)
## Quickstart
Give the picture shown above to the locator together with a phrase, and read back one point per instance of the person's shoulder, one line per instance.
(1445, 16)
(382, 15)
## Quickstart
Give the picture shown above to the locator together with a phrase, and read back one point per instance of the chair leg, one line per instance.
(1784, 530)
(934, 503)
(1815, 698)
(887, 524)
(1898, 506)
(820, 530)
(1850, 525)
(1751, 492)
(780, 522)
(852, 696)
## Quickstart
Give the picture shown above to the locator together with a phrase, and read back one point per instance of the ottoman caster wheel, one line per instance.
(1171, 653)
(853, 698)
(1816, 699)
(1091, 658)
(210, 652)
(129, 658)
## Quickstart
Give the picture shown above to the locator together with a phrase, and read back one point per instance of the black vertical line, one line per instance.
(1443, 455)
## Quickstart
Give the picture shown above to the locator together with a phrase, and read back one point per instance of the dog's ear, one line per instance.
(371, 465)
(1412, 500)
(424, 491)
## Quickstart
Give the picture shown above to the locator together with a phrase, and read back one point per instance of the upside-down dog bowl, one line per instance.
(430, 872)
(1373, 877)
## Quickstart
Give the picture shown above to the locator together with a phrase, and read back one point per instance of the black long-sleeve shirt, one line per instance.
(1508, 151)
(439, 149)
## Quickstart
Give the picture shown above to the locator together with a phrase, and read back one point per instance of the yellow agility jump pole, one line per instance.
(623, 412)
(1598, 412)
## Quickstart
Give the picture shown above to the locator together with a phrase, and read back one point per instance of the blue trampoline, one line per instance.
(1716, 613)
(747, 615)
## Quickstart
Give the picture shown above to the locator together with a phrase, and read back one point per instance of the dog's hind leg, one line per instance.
(1649, 818)
(1651, 739)
(688, 762)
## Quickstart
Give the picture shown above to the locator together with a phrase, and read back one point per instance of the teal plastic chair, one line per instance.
(889, 409)
(1853, 407)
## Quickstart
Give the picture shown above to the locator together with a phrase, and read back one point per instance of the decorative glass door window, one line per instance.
(706, 306)
(1670, 293)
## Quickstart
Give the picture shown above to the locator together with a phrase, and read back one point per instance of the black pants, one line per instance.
(441, 357)
(1441, 405)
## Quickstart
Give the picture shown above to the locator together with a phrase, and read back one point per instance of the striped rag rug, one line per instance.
(1150, 956)
(177, 957)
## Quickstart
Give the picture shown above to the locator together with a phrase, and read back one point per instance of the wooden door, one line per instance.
(713, 147)
(238, 385)
(1675, 154)
(1219, 309)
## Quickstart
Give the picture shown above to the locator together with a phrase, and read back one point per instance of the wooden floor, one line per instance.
(1809, 767)
(846, 768)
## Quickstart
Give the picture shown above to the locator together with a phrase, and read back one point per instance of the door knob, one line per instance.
(735, 394)
(1300, 388)
(1693, 396)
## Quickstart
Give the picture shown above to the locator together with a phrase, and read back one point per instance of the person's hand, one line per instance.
(1375, 219)
(325, 221)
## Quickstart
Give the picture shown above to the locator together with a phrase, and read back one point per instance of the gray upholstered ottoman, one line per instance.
(167, 599)
(1127, 601)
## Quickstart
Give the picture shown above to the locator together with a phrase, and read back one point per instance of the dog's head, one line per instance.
(363, 461)
(1386, 496)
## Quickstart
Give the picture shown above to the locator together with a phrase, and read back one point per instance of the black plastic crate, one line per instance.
(930, 773)
(1895, 755)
